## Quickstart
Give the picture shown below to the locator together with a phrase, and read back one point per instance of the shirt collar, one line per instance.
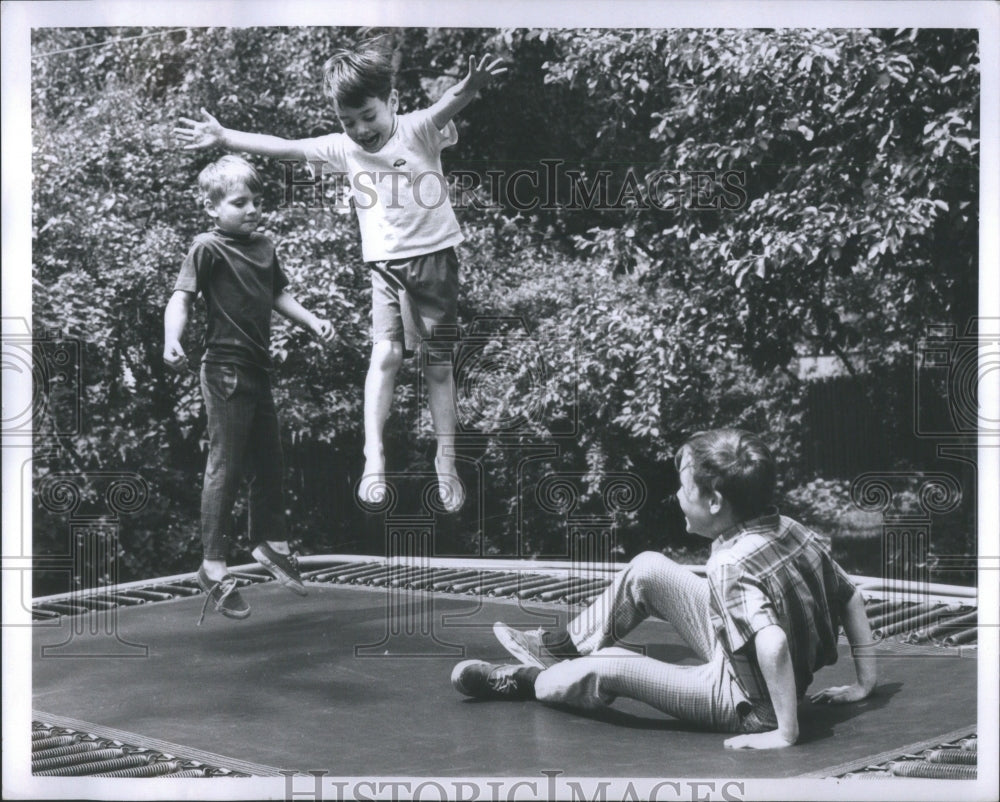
(767, 522)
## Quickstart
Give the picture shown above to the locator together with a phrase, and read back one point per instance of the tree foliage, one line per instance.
(852, 155)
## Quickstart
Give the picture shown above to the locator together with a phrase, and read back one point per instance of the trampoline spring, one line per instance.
(444, 579)
(422, 579)
(490, 584)
(127, 600)
(584, 595)
(63, 608)
(932, 771)
(75, 759)
(521, 583)
(72, 749)
(87, 769)
(878, 608)
(150, 595)
(958, 756)
(582, 586)
(181, 590)
(189, 773)
(39, 614)
(968, 744)
(318, 572)
(37, 735)
(468, 584)
(55, 740)
(901, 614)
(158, 769)
(953, 623)
(961, 637)
(367, 572)
(910, 622)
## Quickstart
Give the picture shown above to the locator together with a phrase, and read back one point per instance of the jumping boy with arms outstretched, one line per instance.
(408, 229)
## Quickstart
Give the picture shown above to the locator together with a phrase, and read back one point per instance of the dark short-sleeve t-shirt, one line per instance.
(240, 277)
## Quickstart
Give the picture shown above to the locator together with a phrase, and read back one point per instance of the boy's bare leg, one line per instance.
(441, 400)
(387, 356)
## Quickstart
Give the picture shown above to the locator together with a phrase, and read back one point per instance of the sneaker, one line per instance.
(483, 680)
(528, 647)
(224, 594)
(284, 567)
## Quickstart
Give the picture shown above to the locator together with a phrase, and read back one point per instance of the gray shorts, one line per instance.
(416, 300)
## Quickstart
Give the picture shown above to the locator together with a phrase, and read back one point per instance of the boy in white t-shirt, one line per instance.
(408, 229)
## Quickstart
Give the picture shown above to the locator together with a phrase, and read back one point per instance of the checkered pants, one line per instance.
(706, 694)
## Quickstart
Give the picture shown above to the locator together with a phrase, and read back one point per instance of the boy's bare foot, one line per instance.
(450, 487)
(372, 489)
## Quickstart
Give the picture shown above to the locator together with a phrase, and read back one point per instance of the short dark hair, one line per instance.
(736, 463)
(354, 74)
(228, 172)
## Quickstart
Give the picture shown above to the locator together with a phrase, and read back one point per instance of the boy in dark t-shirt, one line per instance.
(237, 272)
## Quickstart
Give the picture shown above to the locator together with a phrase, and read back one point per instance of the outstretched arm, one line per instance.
(287, 306)
(206, 132)
(461, 94)
(859, 633)
(175, 319)
(775, 661)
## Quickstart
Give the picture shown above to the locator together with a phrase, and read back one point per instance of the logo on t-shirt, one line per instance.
(399, 162)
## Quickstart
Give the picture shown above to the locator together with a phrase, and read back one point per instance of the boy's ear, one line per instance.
(715, 502)
(210, 208)
(394, 100)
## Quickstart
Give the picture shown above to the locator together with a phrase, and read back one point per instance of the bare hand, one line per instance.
(324, 330)
(840, 694)
(200, 133)
(759, 740)
(481, 74)
(174, 356)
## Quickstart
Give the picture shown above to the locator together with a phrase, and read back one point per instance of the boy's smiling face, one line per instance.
(236, 212)
(371, 124)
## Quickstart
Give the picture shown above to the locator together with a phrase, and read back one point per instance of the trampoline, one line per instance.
(354, 680)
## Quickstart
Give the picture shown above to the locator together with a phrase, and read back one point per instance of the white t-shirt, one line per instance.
(400, 193)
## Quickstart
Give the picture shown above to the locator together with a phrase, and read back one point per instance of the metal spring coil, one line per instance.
(62, 761)
(152, 770)
(190, 773)
(37, 735)
(932, 771)
(55, 740)
(969, 744)
(86, 769)
(957, 756)
(73, 749)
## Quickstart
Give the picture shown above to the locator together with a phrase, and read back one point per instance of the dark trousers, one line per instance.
(243, 440)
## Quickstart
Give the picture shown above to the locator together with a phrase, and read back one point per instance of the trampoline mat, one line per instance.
(356, 681)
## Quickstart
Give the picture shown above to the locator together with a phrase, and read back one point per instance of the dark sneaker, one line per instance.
(483, 680)
(224, 594)
(284, 567)
(527, 647)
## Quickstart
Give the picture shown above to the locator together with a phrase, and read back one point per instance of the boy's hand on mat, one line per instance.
(840, 694)
(759, 740)
(323, 329)
(200, 133)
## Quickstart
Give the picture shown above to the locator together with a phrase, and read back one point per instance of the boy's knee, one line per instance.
(650, 562)
(387, 355)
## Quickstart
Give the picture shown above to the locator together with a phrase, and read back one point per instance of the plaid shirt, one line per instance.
(773, 570)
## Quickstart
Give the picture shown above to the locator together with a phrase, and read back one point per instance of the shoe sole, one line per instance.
(508, 639)
(276, 571)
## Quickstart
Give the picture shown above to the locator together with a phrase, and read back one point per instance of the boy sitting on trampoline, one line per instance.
(765, 619)
(237, 272)
(408, 230)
